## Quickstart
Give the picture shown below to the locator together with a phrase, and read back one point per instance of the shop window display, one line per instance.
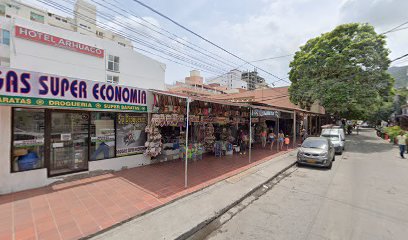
(130, 133)
(69, 142)
(102, 136)
(28, 139)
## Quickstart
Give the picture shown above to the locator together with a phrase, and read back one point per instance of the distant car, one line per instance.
(316, 151)
(336, 138)
(336, 131)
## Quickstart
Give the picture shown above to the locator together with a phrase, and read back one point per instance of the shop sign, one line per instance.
(207, 119)
(130, 133)
(222, 120)
(58, 42)
(29, 143)
(66, 137)
(265, 113)
(194, 118)
(19, 87)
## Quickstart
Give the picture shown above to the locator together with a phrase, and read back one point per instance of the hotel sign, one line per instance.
(55, 41)
(25, 88)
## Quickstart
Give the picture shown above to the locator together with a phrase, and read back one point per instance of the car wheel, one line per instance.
(330, 165)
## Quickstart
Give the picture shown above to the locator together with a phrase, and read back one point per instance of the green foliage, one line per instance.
(345, 70)
(393, 132)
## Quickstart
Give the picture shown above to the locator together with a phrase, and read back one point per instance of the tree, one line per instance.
(345, 70)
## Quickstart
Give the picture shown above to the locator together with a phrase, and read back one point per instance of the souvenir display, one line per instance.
(209, 137)
(154, 141)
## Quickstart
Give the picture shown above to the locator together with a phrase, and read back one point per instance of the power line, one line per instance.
(398, 58)
(201, 37)
(271, 58)
(133, 38)
(394, 28)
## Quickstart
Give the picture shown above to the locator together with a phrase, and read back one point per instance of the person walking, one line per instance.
(263, 137)
(272, 138)
(281, 139)
(401, 139)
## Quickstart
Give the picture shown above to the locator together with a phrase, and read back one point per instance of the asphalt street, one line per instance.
(364, 196)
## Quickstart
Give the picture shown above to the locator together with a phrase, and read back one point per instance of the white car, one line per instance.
(336, 135)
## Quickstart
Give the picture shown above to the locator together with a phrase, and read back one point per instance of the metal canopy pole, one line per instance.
(294, 129)
(186, 158)
(250, 133)
(277, 136)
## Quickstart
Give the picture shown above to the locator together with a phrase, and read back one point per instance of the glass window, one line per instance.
(28, 139)
(102, 135)
(6, 37)
(36, 17)
(69, 142)
(2, 10)
(112, 79)
(130, 133)
(113, 63)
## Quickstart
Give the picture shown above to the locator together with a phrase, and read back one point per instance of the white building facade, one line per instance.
(70, 102)
(232, 80)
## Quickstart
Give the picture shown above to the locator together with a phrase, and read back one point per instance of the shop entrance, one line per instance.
(67, 143)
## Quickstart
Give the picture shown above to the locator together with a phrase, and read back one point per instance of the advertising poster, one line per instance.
(131, 136)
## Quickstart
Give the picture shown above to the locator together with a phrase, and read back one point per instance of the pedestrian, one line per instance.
(287, 142)
(303, 134)
(244, 140)
(272, 138)
(263, 137)
(401, 139)
(281, 139)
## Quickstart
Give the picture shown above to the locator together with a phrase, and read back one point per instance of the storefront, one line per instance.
(213, 129)
(55, 125)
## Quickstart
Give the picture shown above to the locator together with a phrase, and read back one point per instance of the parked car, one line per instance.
(316, 151)
(336, 138)
(336, 131)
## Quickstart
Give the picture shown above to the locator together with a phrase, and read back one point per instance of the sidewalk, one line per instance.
(84, 207)
(185, 215)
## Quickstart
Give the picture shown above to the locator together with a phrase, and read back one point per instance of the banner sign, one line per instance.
(264, 113)
(130, 133)
(19, 87)
(58, 42)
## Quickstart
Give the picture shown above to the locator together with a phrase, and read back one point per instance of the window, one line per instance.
(36, 17)
(2, 10)
(84, 26)
(113, 63)
(5, 37)
(112, 79)
(130, 133)
(28, 139)
(102, 135)
(122, 44)
(99, 34)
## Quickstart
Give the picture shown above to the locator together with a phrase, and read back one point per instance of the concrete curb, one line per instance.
(206, 222)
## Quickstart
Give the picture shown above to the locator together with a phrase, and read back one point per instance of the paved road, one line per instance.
(364, 196)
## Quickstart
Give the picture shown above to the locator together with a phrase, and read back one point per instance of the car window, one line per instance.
(331, 137)
(315, 143)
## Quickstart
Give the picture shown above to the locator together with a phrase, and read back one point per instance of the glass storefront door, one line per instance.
(69, 134)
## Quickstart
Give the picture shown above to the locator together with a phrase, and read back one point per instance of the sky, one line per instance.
(250, 29)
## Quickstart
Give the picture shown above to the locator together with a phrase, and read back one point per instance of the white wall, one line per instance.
(136, 70)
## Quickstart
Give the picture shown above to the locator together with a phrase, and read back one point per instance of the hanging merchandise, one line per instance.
(154, 141)
(209, 137)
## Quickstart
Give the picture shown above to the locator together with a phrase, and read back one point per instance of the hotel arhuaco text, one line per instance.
(19, 87)
(55, 41)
